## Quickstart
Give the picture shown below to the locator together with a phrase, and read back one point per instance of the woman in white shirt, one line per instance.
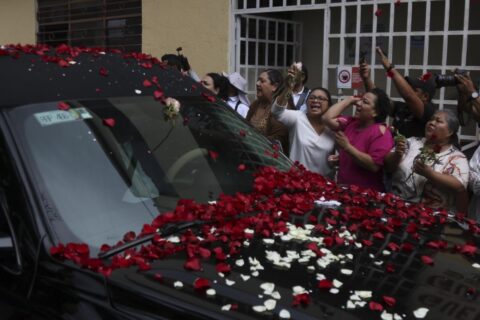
(311, 141)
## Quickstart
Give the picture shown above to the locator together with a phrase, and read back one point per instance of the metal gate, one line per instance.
(418, 35)
(264, 43)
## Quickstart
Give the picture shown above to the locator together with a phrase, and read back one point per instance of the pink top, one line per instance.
(368, 140)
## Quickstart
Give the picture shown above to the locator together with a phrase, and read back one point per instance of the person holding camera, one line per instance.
(469, 101)
(409, 117)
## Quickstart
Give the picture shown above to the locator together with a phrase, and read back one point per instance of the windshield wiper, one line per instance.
(164, 232)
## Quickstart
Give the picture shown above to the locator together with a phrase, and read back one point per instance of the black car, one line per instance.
(130, 192)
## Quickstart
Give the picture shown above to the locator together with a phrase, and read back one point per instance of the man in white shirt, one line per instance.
(237, 96)
(300, 92)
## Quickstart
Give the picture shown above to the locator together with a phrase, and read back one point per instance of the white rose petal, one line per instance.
(350, 305)
(259, 309)
(397, 317)
(222, 275)
(337, 284)
(311, 268)
(245, 277)
(211, 292)
(173, 239)
(386, 316)
(361, 304)
(364, 294)
(334, 291)
(72, 62)
(267, 287)
(321, 276)
(250, 231)
(420, 313)
(270, 304)
(386, 252)
(229, 282)
(268, 241)
(226, 307)
(178, 284)
(276, 295)
(255, 274)
(476, 265)
(346, 271)
(298, 290)
(284, 314)
(138, 91)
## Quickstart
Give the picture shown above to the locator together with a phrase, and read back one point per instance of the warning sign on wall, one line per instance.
(348, 77)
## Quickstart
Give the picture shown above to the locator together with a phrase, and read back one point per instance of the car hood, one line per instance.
(360, 283)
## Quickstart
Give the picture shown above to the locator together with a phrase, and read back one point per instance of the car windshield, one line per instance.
(105, 167)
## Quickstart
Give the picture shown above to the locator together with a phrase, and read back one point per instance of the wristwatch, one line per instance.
(474, 95)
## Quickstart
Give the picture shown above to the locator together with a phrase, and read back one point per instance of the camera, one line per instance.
(448, 80)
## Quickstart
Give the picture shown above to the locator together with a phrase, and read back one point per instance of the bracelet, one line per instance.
(390, 67)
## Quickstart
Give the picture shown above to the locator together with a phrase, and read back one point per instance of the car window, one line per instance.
(108, 166)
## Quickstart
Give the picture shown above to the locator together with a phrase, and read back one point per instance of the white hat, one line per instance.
(240, 84)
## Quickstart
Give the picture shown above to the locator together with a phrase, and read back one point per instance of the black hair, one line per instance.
(305, 73)
(326, 92)
(221, 83)
(382, 105)
(179, 61)
(275, 76)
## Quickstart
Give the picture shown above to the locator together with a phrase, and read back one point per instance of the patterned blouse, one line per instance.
(416, 188)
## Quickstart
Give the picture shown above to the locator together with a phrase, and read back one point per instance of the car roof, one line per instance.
(33, 74)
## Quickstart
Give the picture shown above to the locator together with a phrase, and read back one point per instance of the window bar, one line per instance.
(426, 38)
(341, 61)
(465, 33)
(408, 38)
(374, 41)
(326, 45)
(357, 38)
(391, 27)
(444, 48)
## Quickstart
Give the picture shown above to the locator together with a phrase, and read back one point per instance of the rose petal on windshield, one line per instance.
(110, 122)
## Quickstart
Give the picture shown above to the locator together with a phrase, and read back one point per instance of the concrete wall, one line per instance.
(18, 21)
(200, 27)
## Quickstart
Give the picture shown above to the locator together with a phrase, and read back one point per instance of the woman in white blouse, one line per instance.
(311, 141)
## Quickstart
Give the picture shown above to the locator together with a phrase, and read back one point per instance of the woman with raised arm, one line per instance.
(260, 112)
(311, 141)
(431, 170)
(363, 140)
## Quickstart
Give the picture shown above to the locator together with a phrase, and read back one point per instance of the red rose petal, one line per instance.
(301, 299)
(241, 167)
(62, 63)
(208, 96)
(57, 250)
(325, 284)
(213, 154)
(427, 260)
(390, 74)
(158, 277)
(201, 284)
(157, 94)
(223, 267)
(110, 122)
(468, 249)
(397, 3)
(375, 306)
(378, 12)
(426, 76)
(103, 71)
(390, 301)
(193, 264)
(147, 83)
(63, 106)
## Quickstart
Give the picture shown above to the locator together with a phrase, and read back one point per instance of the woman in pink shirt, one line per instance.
(363, 140)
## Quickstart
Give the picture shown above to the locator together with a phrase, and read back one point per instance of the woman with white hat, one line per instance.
(237, 96)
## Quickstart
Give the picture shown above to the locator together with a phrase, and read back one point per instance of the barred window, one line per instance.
(91, 23)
